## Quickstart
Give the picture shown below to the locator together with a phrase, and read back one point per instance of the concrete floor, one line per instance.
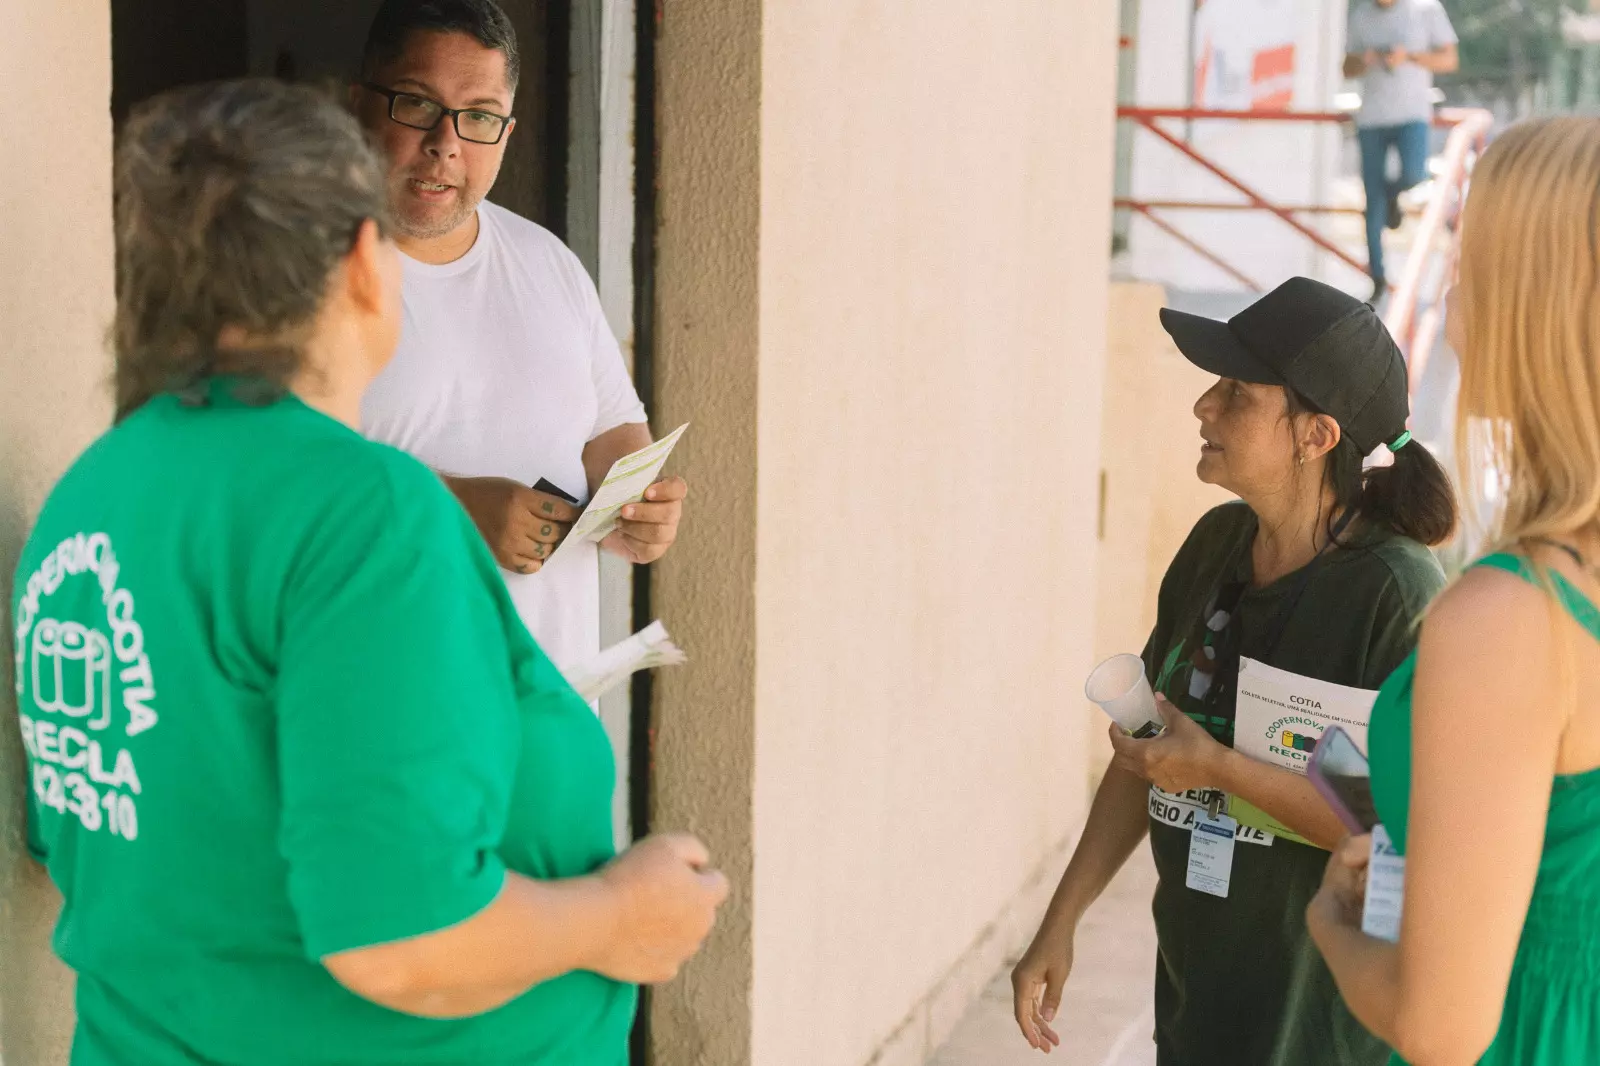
(1106, 1017)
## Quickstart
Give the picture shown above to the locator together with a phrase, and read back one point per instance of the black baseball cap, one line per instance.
(1325, 344)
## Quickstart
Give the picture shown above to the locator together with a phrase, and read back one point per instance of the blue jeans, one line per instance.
(1411, 140)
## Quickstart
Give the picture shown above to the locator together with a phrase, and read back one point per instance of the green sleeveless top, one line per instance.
(1552, 1008)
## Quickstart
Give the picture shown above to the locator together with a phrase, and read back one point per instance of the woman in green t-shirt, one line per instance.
(1320, 570)
(310, 791)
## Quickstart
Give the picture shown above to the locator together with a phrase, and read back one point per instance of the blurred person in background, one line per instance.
(1321, 569)
(1395, 47)
(507, 376)
(309, 790)
(1485, 745)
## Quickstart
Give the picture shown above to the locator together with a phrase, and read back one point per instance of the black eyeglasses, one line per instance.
(420, 113)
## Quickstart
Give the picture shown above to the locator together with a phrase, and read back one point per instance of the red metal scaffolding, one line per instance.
(1150, 118)
(1430, 266)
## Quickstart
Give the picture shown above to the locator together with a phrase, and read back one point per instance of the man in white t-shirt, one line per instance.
(1395, 47)
(507, 375)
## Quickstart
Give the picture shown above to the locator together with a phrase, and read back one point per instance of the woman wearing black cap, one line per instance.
(1320, 570)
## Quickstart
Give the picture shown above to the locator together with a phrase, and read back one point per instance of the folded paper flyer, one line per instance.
(625, 483)
(645, 650)
(1279, 719)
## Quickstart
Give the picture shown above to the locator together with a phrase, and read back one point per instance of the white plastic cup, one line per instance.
(1119, 686)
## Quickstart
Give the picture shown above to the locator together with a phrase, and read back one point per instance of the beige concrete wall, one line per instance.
(935, 182)
(55, 303)
(707, 352)
(897, 747)
(1149, 447)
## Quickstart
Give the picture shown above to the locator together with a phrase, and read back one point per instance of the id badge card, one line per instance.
(1211, 854)
(1386, 889)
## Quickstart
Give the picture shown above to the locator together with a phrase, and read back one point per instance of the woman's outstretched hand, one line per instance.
(1183, 757)
(1036, 985)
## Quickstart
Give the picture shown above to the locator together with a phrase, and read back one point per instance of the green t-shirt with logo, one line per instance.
(1238, 980)
(277, 704)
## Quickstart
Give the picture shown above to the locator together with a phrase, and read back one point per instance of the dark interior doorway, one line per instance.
(162, 44)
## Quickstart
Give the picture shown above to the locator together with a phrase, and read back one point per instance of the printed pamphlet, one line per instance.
(625, 483)
(1279, 719)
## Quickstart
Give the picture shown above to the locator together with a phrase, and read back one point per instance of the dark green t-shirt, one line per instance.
(277, 704)
(1238, 981)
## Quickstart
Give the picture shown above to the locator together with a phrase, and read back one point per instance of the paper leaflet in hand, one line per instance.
(645, 650)
(624, 483)
(1278, 719)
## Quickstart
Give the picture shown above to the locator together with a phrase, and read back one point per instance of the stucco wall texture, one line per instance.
(55, 303)
(890, 334)
(1150, 445)
(707, 362)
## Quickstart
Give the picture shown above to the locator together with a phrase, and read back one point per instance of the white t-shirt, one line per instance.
(1405, 94)
(506, 368)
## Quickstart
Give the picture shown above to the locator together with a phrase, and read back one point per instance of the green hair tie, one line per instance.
(1401, 441)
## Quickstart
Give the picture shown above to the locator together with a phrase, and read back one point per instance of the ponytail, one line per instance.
(1412, 496)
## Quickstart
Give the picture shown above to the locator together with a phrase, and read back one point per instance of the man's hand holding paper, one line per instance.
(647, 529)
(634, 482)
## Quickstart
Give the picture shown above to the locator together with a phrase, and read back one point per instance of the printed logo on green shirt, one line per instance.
(89, 686)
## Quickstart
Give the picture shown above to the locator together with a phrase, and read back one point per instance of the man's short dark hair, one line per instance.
(397, 20)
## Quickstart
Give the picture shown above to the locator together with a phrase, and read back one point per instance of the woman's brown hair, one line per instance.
(1411, 496)
(235, 203)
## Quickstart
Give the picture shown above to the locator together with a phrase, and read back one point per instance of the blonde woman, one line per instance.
(1486, 744)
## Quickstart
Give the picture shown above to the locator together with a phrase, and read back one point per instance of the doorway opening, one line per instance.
(161, 44)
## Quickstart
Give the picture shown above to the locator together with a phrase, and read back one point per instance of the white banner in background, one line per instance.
(1244, 54)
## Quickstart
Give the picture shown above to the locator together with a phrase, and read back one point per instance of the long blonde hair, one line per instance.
(1529, 412)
